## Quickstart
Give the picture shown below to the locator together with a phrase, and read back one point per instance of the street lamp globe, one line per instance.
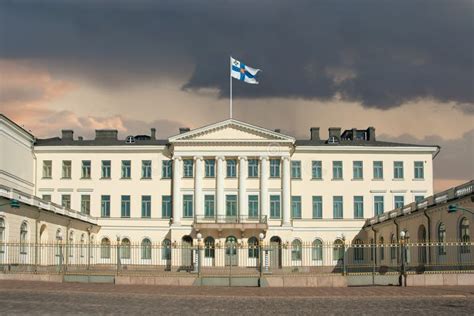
(261, 236)
(402, 234)
(199, 236)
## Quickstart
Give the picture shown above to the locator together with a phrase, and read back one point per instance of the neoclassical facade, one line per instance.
(227, 181)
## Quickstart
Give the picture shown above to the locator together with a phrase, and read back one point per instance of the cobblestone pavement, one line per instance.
(21, 297)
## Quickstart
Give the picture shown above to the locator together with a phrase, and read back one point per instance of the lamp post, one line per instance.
(343, 237)
(118, 254)
(261, 236)
(402, 258)
(199, 238)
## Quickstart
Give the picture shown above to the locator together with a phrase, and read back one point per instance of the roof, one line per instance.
(16, 125)
(57, 141)
(376, 143)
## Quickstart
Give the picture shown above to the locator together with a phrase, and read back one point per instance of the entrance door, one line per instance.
(231, 258)
(187, 253)
(275, 252)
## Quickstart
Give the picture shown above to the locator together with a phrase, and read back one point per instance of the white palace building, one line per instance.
(228, 181)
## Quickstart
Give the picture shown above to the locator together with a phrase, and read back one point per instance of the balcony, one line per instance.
(221, 222)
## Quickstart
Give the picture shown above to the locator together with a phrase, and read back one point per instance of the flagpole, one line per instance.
(230, 78)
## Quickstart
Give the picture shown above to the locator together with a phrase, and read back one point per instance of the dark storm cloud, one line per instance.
(381, 53)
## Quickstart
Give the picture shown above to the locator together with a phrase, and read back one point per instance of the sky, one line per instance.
(405, 67)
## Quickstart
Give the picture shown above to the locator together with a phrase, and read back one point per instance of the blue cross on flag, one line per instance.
(242, 72)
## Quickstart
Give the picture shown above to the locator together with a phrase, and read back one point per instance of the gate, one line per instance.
(231, 257)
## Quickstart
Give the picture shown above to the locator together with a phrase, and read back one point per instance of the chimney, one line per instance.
(67, 134)
(371, 134)
(106, 134)
(277, 130)
(335, 132)
(314, 132)
(153, 133)
(80, 138)
(184, 130)
(354, 134)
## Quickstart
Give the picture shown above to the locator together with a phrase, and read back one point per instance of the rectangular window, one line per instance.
(419, 198)
(105, 206)
(337, 205)
(274, 168)
(126, 169)
(47, 197)
(378, 169)
(317, 169)
(86, 169)
(166, 206)
(188, 205)
(166, 169)
(231, 168)
(66, 169)
(210, 168)
(146, 169)
(125, 206)
(358, 207)
(419, 170)
(188, 168)
(66, 200)
(209, 205)
(231, 205)
(86, 204)
(106, 169)
(296, 207)
(399, 201)
(357, 170)
(253, 206)
(253, 168)
(296, 169)
(378, 205)
(146, 206)
(337, 170)
(274, 206)
(317, 207)
(47, 169)
(398, 169)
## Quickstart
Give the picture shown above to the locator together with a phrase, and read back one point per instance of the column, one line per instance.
(286, 191)
(177, 205)
(220, 188)
(198, 204)
(243, 206)
(264, 168)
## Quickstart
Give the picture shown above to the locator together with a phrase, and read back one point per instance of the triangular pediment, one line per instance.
(231, 131)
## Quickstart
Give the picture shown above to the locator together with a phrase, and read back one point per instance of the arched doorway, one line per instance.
(422, 244)
(187, 252)
(231, 258)
(275, 252)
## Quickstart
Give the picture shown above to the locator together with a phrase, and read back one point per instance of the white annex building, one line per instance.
(228, 181)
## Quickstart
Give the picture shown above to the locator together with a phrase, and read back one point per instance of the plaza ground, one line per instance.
(22, 297)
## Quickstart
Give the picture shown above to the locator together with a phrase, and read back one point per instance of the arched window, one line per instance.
(166, 252)
(393, 247)
(338, 250)
(23, 237)
(464, 235)
(317, 250)
(146, 248)
(209, 247)
(382, 248)
(83, 241)
(442, 239)
(296, 250)
(358, 250)
(71, 244)
(105, 248)
(2, 235)
(125, 249)
(253, 247)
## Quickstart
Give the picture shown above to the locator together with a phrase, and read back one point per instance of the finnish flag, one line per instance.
(242, 72)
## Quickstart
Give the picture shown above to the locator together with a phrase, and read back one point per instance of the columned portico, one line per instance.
(286, 191)
(198, 204)
(177, 210)
(264, 186)
(220, 187)
(243, 207)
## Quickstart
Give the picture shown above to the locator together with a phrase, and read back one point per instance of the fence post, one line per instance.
(118, 255)
(344, 257)
(374, 262)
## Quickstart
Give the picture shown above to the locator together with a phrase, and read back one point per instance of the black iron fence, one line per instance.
(236, 258)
